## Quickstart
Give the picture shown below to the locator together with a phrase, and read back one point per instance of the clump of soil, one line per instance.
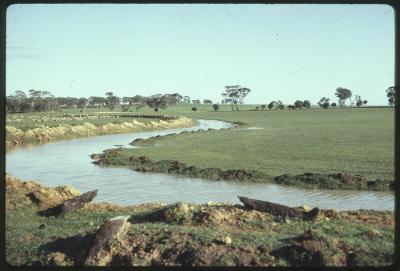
(58, 259)
(216, 214)
(181, 249)
(19, 193)
(310, 249)
(179, 213)
(232, 216)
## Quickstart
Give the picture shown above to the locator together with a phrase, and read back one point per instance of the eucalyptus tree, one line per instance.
(173, 98)
(139, 102)
(391, 95)
(358, 100)
(298, 104)
(235, 95)
(307, 104)
(271, 105)
(279, 105)
(324, 102)
(343, 94)
(111, 100)
(82, 102)
(157, 102)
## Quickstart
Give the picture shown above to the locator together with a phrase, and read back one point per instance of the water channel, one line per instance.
(68, 163)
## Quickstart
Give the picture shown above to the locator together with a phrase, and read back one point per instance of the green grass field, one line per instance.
(355, 141)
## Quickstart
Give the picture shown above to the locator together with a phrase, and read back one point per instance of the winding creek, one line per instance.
(68, 163)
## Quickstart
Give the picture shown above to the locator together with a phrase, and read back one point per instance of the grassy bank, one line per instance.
(123, 157)
(39, 128)
(285, 143)
(190, 234)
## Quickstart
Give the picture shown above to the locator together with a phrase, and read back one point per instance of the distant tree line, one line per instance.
(343, 95)
(36, 100)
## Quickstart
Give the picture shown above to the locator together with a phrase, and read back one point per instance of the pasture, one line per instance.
(354, 141)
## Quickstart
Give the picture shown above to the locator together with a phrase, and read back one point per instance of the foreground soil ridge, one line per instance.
(185, 234)
(17, 137)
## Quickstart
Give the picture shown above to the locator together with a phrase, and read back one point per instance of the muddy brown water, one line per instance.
(68, 163)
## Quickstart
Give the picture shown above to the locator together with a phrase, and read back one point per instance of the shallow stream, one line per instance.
(68, 163)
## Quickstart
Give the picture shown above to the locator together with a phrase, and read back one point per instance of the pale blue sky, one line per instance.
(284, 52)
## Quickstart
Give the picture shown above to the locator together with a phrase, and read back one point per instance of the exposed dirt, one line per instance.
(200, 235)
(15, 136)
(19, 194)
(309, 249)
(223, 215)
(180, 249)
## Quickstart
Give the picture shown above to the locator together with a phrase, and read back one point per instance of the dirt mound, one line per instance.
(309, 249)
(167, 248)
(213, 254)
(19, 193)
(230, 216)
(181, 249)
(218, 214)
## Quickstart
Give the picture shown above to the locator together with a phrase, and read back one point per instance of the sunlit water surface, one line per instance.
(68, 163)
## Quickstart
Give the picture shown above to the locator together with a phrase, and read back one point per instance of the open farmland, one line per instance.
(353, 141)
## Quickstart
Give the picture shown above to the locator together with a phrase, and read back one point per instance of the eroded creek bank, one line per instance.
(116, 157)
(69, 163)
(43, 133)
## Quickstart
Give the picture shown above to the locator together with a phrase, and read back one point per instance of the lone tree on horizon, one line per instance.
(343, 94)
(235, 95)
